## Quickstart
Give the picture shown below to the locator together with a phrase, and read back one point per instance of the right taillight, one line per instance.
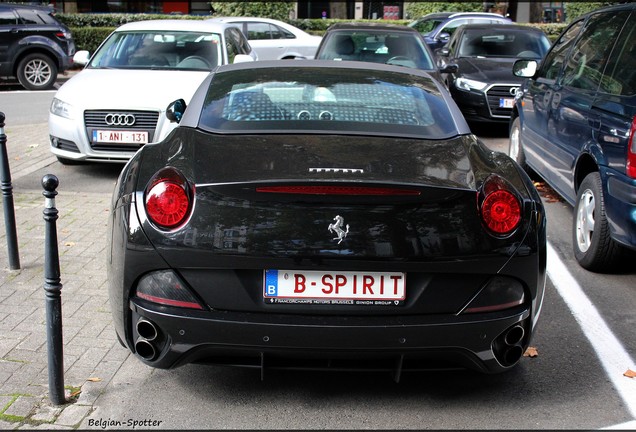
(631, 151)
(500, 207)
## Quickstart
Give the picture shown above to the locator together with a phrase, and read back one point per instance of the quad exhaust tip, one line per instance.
(147, 330)
(508, 347)
(148, 339)
(145, 349)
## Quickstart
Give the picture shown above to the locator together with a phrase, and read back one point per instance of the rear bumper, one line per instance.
(480, 342)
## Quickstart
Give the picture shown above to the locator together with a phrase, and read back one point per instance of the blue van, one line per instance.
(573, 123)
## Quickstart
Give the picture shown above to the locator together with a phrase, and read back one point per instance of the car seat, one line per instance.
(473, 47)
(252, 106)
(344, 47)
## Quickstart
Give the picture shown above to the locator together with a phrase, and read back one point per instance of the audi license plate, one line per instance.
(334, 288)
(506, 102)
(120, 137)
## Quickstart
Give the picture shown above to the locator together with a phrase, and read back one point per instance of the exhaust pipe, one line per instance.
(147, 330)
(514, 335)
(145, 349)
(507, 347)
(512, 354)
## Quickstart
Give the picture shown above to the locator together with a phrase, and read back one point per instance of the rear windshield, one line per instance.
(325, 100)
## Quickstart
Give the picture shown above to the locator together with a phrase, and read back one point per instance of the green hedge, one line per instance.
(89, 30)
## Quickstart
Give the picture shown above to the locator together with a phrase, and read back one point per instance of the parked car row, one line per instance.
(339, 213)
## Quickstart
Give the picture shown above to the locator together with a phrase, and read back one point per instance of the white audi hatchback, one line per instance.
(117, 103)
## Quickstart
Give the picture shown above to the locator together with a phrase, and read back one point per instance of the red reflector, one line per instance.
(167, 204)
(494, 308)
(337, 190)
(169, 302)
(501, 212)
(631, 151)
(61, 35)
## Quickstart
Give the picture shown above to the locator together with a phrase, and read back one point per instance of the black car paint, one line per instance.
(237, 327)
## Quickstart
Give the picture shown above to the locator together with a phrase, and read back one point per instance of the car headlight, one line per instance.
(468, 84)
(62, 109)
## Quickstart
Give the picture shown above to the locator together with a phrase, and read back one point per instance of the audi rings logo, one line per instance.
(119, 119)
(513, 91)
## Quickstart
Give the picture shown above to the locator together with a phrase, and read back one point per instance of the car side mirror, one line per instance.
(449, 68)
(242, 58)
(175, 110)
(443, 37)
(525, 68)
(81, 58)
(442, 52)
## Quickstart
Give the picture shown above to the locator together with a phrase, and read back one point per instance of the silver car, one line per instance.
(273, 39)
(117, 103)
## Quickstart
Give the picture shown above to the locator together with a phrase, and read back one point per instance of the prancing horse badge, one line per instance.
(336, 228)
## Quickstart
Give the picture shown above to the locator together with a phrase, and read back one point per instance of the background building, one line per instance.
(347, 9)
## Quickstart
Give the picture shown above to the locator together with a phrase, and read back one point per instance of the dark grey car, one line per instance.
(379, 43)
(34, 45)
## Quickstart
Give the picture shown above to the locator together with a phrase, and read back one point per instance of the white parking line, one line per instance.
(610, 351)
(623, 426)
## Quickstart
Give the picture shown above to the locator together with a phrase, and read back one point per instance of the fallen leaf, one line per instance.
(531, 352)
(547, 192)
(69, 244)
(630, 374)
(94, 379)
(75, 393)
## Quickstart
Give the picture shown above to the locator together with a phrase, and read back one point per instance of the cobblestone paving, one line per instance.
(92, 354)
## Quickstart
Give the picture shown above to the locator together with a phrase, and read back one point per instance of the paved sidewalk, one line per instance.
(92, 354)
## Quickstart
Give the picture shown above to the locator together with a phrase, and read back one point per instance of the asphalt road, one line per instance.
(585, 341)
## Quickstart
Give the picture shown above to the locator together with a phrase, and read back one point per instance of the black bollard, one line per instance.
(53, 289)
(7, 199)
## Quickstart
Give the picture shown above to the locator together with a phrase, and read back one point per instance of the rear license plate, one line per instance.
(334, 288)
(506, 102)
(120, 137)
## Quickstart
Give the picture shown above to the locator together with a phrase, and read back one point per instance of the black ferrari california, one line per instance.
(322, 215)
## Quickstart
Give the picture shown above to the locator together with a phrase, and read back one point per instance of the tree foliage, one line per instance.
(418, 9)
(279, 10)
(576, 9)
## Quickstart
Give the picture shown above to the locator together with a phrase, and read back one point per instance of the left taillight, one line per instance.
(631, 151)
(164, 287)
(500, 207)
(168, 199)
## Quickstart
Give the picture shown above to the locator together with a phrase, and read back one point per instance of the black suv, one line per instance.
(34, 46)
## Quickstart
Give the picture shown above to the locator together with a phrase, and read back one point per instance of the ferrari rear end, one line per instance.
(323, 243)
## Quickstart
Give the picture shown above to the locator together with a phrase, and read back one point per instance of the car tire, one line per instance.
(515, 149)
(594, 248)
(37, 72)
